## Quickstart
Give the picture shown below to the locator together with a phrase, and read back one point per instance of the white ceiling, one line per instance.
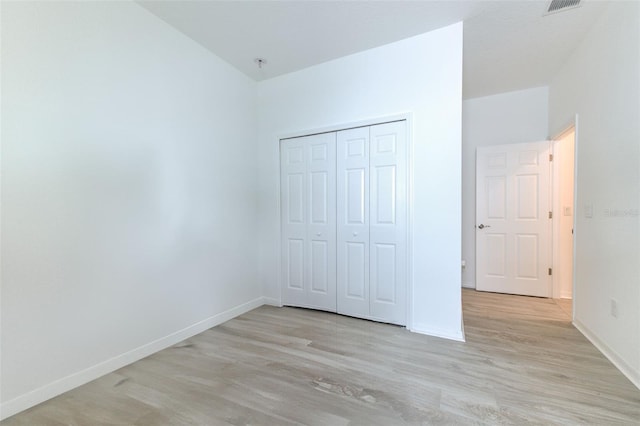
(508, 44)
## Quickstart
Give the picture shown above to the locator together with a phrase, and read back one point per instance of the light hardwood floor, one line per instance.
(523, 363)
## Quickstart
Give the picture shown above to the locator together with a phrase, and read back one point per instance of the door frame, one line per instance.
(572, 125)
(408, 118)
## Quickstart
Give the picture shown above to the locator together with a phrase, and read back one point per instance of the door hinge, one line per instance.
(550, 215)
(550, 271)
(550, 157)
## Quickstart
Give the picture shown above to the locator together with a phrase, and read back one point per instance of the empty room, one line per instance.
(319, 212)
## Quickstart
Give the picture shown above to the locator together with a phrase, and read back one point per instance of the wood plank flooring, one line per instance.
(523, 363)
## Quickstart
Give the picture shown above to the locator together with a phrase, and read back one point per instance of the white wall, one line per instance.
(421, 75)
(512, 117)
(128, 192)
(600, 82)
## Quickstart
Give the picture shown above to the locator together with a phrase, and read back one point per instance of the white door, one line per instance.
(372, 198)
(388, 222)
(308, 215)
(513, 219)
(353, 222)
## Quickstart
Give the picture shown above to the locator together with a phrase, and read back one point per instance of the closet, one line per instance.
(344, 222)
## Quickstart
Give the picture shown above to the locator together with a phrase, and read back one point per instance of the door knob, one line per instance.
(318, 234)
(481, 226)
(355, 234)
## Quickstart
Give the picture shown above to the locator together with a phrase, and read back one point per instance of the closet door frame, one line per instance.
(408, 119)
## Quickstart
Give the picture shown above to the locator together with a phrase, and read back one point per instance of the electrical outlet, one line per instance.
(614, 308)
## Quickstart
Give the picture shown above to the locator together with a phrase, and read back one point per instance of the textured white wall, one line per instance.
(421, 75)
(128, 190)
(600, 82)
(512, 117)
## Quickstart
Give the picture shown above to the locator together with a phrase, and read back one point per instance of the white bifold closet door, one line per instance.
(344, 222)
(372, 222)
(308, 217)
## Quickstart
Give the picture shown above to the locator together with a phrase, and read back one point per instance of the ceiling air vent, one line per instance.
(561, 5)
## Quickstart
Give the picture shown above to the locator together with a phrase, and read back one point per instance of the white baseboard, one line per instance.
(468, 284)
(272, 301)
(445, 334)
(50, 390)
(632, 374)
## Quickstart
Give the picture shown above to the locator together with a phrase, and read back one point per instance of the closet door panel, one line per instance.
(353, 222)
(321, 228)
(293, 220)
(388, 228)
(308, 194)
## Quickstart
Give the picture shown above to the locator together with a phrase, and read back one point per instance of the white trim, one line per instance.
(576, 138)
(272, 301)
(550, 227)
(468, 284)
(458, 336)
(279, 277)
(50, 390)
(626, 369)
(557, 209)
(1, 274)
(279, 259)
(573, 124)
(555, 222)
(348, 125)
(410, 215)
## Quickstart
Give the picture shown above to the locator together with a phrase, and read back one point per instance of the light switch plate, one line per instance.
(588, 211)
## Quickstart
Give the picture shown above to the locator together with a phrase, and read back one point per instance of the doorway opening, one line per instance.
(564, 148)
(502, 197)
